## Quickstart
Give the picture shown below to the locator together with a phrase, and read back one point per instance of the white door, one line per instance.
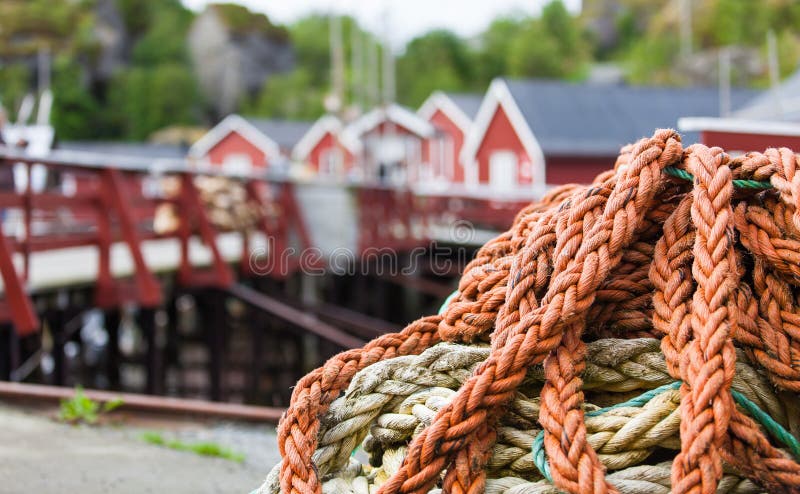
(331, 163)
(503, 170)
(237, 163)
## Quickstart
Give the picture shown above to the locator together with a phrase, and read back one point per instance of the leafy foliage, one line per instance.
(444, 60)
(159, 44)
(150, 98)
(82, 409)
(289, 95)
(14, 79)
(652, 51)
(491, 58)
(242, 21)
(550, 46)
(155, 86)
(76, 113)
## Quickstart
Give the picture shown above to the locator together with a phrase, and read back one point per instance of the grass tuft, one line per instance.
(201, 448)
(82, 409)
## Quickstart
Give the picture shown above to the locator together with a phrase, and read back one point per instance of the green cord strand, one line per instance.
(447, 302)
(774, 428)
(742, 184)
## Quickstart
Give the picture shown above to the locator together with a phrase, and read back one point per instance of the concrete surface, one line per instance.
(39, 455)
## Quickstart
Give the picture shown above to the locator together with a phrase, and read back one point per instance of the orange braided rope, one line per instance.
(586, 262)
(635, 254)
(707, 359)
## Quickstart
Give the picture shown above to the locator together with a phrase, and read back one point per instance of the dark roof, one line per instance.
(468, 103)
(286, 133)
(127, 149)
(598, 119)
(780, 104)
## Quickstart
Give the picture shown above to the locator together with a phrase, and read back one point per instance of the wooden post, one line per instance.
(172, 348)
(147, 323)
(112, 321)
(214, 315)
(55, 322)
(258, 326)
(9, 351)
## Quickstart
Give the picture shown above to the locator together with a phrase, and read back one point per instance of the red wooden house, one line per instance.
(394, 145)
(771, 119)
(530, 134)
(327, 151)
(452, 115)
(244, 144)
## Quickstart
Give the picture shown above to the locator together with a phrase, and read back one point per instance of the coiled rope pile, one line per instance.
(640, 334)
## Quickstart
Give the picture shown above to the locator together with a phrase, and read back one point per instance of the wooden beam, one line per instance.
(144, 403)
(294, 316)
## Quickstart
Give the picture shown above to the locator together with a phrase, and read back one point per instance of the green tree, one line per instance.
(651, 51)
(165, 39)
(291, 95)
(550, 46)
(739, 22)
(76, 114)
(14, 83)
(300, 93)
(534, 54)
(495, 46)
(310, 38)
(436, 60)
(651, 60)
(148, 99)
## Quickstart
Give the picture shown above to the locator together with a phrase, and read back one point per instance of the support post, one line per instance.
(147, 323)
(6, 351)
(172, 347)
(55, 322)
(112, 322)
(258, 327)
(215, 322)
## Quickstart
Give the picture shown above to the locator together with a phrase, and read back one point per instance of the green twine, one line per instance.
(639, 401)
(447, 302)
(539, 455)
(742, 184)
(774, 428)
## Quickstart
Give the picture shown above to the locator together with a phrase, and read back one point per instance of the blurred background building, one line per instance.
(171, 141)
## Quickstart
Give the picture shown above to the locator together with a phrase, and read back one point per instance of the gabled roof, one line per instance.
(127, 149)
(394, 113)
(270, 136)
(287, 133)
(565, 118)
(569, 119)
(781, 103)
(323, 126)
(461, 108)
(469, 103)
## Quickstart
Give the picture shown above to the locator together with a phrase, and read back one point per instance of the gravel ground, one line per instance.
(38, 454)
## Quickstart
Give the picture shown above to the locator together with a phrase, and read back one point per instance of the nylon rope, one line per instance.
(710, 272)
(774, 428)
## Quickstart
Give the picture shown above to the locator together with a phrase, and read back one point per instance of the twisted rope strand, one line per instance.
(707, 360)
(497, 378)
(634, 255)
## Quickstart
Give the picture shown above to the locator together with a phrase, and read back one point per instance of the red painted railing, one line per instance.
(109, 205)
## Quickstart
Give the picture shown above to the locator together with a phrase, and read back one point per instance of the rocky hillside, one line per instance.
(126, 68)
(234, 52)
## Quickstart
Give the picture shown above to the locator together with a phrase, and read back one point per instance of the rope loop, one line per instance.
(689, 249)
